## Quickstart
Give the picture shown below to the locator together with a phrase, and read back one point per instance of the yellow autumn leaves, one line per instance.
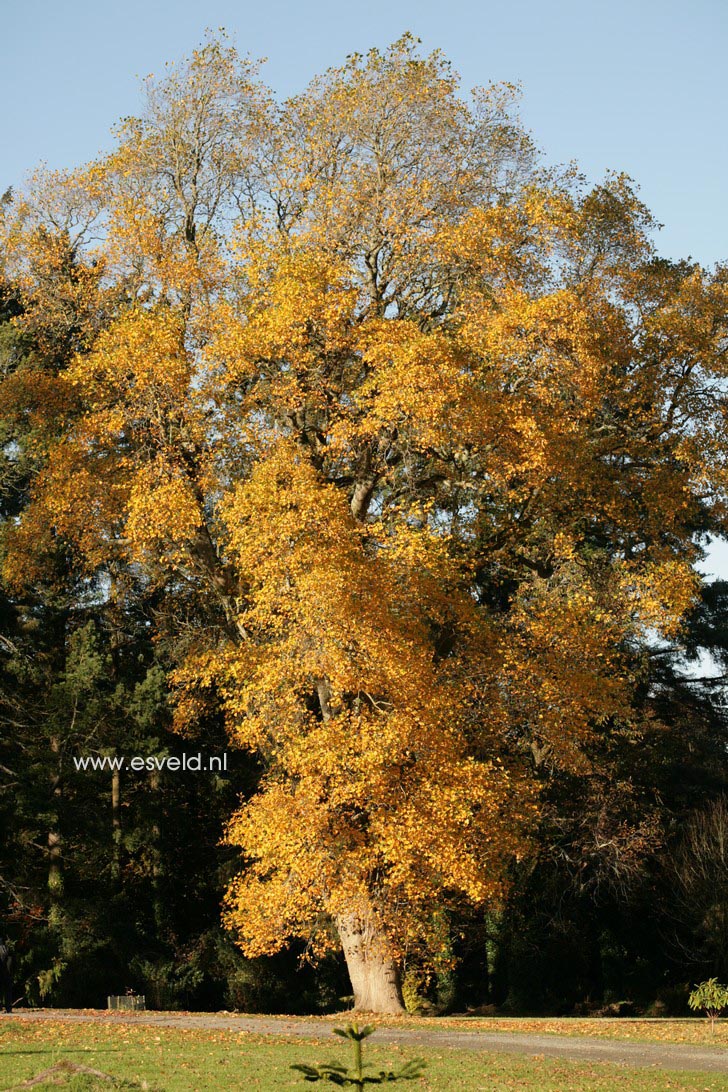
(416, 435)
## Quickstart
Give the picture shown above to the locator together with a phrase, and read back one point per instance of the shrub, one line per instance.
(710, 996)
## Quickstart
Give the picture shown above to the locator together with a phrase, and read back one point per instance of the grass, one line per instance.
(177, 1060)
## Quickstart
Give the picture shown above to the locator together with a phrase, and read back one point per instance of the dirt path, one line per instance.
(660, 1055)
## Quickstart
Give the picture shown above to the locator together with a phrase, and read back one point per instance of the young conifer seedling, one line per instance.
(356, 1077)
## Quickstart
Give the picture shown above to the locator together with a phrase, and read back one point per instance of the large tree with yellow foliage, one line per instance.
(427, 431)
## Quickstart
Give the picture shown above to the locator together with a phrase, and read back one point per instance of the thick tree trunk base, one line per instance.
(374, 974)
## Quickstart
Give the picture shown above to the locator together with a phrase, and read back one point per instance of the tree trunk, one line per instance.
(374, 974)
(156, 856)
(54, 840)
(116, 821)
(55, 864)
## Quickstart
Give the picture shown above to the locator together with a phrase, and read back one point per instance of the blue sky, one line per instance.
(637, 86)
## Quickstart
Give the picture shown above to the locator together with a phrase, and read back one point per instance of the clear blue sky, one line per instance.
(633, 85)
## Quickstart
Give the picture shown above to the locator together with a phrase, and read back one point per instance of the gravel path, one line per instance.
(582, 1049)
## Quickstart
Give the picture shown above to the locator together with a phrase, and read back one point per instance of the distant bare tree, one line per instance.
(699, 868)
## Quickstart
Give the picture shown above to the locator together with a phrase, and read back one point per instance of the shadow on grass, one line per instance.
(59, 1050)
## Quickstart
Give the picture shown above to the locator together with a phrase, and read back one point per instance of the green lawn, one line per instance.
(174, 1060)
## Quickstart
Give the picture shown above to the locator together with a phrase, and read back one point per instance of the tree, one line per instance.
(712, 998)
(423, 431)
(698, 872)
